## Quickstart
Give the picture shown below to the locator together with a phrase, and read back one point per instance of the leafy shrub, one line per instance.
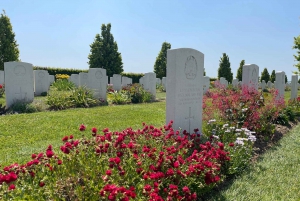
(63, 85)
(118, 97)
(20, 107)
(147, 164)
(138, 94)
(2, 90)
(286, 115)
(82, 97)
(110, 88)
(160, 87)
(59, 100)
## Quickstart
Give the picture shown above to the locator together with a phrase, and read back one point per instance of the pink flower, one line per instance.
(11, 187)
(49, 153)
(108, 172)
(94, 130)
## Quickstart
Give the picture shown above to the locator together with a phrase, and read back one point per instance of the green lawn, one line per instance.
(276, 176)
(23, 134)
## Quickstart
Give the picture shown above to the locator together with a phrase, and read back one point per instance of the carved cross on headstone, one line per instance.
(189, 118)
(19, 95)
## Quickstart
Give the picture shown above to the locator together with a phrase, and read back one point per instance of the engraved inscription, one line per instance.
(98, 75)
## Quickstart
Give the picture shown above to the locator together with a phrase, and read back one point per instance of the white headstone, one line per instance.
(250, 76)
(185, 89)
(142, 81)
(263, 85)
(163, 82)
(117, 82)
(126, 81)
(75, 79)
(83, 79)
(235, 83)
(41, 81)
(269, 84)
(158, 81)
(279, 84)
(223, 82)
(51, 79)
(1, 77)
(98, 82)
(294, 87)
(150, 83)
(18, 82)
(206, 84)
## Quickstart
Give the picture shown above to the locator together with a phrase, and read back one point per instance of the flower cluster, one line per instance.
(2, 90)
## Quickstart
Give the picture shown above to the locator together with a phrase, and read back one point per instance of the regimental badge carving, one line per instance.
(191, 68)
(41, 74)
(19, 70)
(98, 75)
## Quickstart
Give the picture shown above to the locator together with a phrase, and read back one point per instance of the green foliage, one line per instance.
(239, 74)
(297, 48)
(63, 85)
(118, 97)
(134, 76)
(138, 94)
(211, 79)
(104, 52)
(265, 75)
(286, 79)
(44, 93)
(224, 68)
(160, 66)
(8, 45)
(54, 71)
(273, 76)
(19, 107)
(75, 97)
(2, 90)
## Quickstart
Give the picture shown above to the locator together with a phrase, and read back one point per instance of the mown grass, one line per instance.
(24, 134)
(274, 177)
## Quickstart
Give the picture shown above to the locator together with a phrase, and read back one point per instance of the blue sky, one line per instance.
(58, 33)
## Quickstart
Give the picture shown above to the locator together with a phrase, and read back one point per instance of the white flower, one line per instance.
(238, 130)
(239, 142)
(252, 138)
(244, 109)
(227, 131)
(232, 128)
(217, 137)
(225, 125)
(211, 121)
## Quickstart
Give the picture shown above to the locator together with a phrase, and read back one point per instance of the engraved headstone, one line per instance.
(206, 84)
(158, 81)
(75, 79)
(83, 79)
(294, 87)
(263, 85)
(97, 82)
(150, 83)
(51, 79)
(163, 82)
(235, 83)
(126, 81)
(269, 84)
(185, 89)
(41, 81)
(117, 82)
(18, 82)
(279, 84)
(250, 76)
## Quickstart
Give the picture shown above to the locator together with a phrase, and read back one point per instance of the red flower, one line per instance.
(1, 86)
(11, 187)
(71, 137)
(186, 189)
(65, 138)
(59, 162)
(108, 172)
(147, 187)
(82, 127)
(33, 156)
(94, 130)
(231, 144)
(49, 153)
(42, 184)
(176, 164)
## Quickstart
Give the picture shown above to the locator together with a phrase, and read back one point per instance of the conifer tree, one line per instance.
(160, 65)
(224, 68)
(273, 76)
(239, 74)
(297, 47)
(265, 75)
(104, 52)
(9, 50)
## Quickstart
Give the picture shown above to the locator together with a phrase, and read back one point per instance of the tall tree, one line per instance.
(265, 75)
(273, 76)
(286, 80)
(239, 74)
(224, 68)
(297, 47)
(160, 65)
(104, 52)
(9, 50)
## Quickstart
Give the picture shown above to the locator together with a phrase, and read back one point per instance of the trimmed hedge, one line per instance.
(54, 71)
(134, 76)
